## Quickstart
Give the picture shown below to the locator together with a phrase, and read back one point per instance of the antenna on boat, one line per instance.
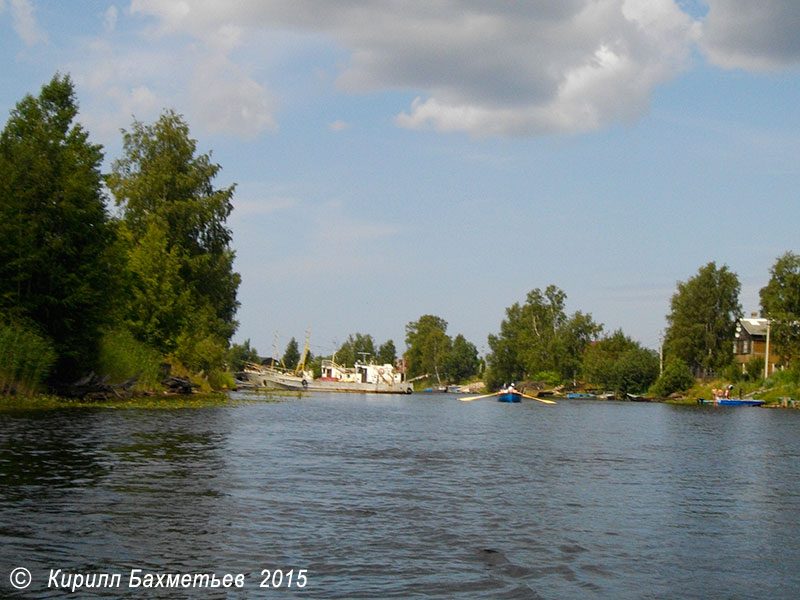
(364, 357)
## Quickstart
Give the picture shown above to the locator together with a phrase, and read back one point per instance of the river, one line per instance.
(422, 496)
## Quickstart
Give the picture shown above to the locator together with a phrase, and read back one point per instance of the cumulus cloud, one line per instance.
(763, 35)
(485, 68)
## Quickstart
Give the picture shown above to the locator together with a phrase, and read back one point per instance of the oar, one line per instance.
(545, 400)
(471, 398)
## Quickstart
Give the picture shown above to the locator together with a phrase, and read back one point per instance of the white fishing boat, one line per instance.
(363, 377)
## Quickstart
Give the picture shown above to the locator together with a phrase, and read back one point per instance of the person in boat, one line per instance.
(511, 388)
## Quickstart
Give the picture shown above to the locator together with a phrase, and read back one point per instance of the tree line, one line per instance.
(81, 289)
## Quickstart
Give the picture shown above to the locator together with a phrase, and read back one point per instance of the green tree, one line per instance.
(702, 321)
(239, 354)
(292, 354)
(462, 362)
(56, 268)
(428, 346)
(780, 303)
(676, 378)
(170, 206)
(358, 347)
(538, 337)
(620, 364)
(387, 353)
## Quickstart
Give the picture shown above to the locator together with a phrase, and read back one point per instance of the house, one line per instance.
(752, 336)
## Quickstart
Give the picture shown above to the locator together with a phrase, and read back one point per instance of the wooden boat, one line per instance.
(509, 397)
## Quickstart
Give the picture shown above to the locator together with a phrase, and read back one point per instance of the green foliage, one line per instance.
(539, 336)
(292, 354)
(703, 316)
(462, 362)
(780, 303)
(239, 354)
(357, 348)
(55, 264)
(676, 378)
(122, 356)
(180, 288)
(427, 346)
(26, 358)
(387, 353)
(618, 363)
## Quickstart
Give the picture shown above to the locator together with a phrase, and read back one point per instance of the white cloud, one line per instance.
(110, 21)
(25, 23)
(485, 68)
(763, 35)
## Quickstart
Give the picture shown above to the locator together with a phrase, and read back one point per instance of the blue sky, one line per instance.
(395, 159)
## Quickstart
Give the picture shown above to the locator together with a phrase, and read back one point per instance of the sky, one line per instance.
(395, 159)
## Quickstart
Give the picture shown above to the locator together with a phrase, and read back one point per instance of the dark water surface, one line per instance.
(408, 497)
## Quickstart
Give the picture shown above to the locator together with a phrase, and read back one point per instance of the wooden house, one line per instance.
(751, 342)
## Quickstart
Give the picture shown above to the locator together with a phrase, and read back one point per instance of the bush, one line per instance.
(676, 378)
(122, 356)
(26, 358)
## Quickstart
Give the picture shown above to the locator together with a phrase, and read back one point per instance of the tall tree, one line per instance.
(357, 347)
(780, 303)
(168, 201)
(387, 353)
(292, 354)
(702, 321)
(538, 337)
(462, 362)
(428, 346)
(620, 364)
(55, 262)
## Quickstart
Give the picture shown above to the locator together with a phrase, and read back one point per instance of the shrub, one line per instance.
(676, 378)
(122, 356)
(26, 358)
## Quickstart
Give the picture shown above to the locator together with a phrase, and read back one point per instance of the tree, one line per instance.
(702, 321)
(538, 337)
(462, 362)
(428, 346)
(676, 378)
(239, 354)
(292, 354)
(56, 268)
(357, 347)
(780, 303)
(171, 208)
(620, 364)
(387, 353)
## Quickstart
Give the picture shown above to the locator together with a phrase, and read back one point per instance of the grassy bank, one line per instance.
(156, 401)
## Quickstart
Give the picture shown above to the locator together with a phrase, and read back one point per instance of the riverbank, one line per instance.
(152, 401)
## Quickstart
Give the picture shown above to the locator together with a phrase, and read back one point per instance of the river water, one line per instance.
(364, 496)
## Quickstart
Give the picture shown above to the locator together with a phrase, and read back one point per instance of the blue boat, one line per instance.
(733, 402)
(509, 397)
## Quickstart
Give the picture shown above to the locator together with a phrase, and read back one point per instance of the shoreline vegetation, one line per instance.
(145, 296)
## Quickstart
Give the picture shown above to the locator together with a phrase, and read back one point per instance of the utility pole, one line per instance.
(766, 354)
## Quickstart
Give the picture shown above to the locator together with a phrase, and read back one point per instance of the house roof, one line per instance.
(754, 326)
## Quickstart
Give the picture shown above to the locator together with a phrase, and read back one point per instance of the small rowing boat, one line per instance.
(509, 397)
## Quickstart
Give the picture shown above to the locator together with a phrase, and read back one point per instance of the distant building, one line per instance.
(751, 342)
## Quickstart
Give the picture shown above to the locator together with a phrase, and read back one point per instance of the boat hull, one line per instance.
(316, 385)
(509, 397)
(732, 402)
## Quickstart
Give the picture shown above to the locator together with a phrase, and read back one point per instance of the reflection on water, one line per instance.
(405, 497)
